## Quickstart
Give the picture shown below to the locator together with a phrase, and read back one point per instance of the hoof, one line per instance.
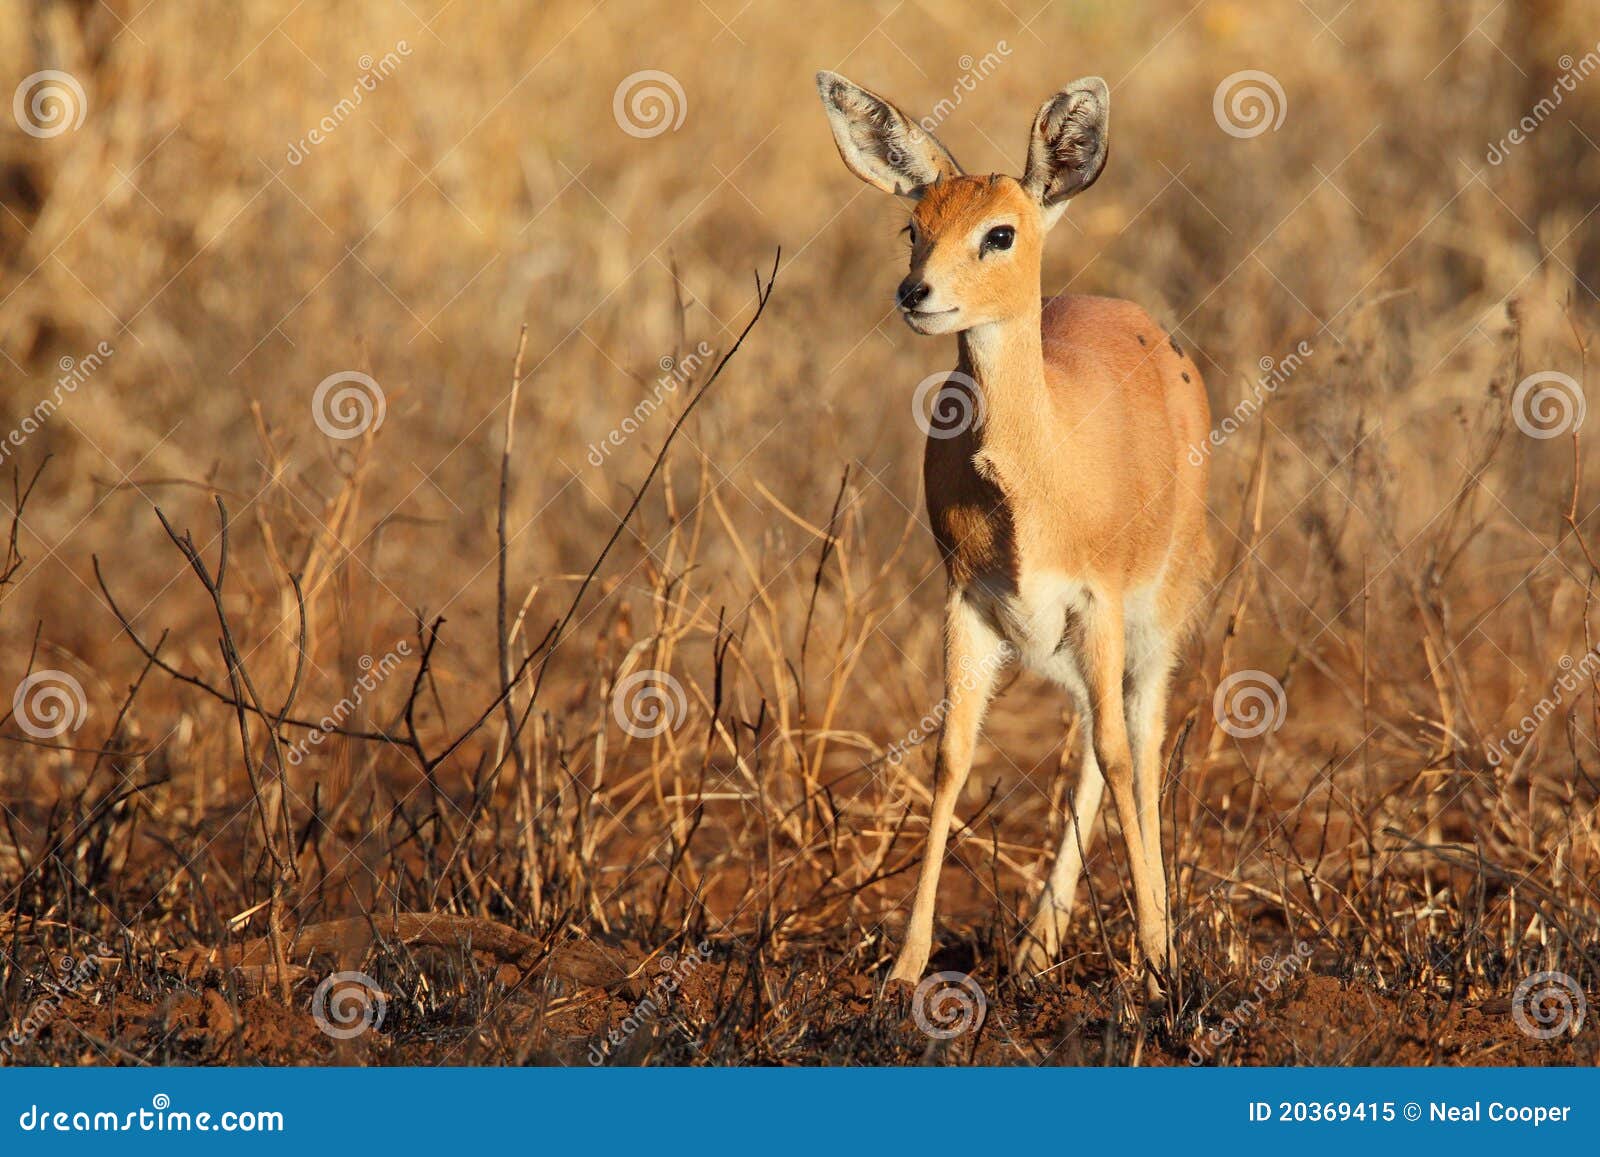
(909, 966)
(903, 976)
(897, 991)
(1036, 955)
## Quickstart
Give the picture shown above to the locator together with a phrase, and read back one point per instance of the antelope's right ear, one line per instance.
(879, 143)
(1068, 146)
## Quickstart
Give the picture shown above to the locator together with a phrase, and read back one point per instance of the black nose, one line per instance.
(913, 293)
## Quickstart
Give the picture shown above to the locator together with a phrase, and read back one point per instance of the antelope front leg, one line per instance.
(1146, 705)
(973, 656)
(1104, 655)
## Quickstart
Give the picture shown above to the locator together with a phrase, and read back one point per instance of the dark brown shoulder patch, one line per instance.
(1176, 348)
(1185, 375)
(1141, 339)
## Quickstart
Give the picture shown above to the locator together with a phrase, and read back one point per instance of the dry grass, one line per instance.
(1395, 552)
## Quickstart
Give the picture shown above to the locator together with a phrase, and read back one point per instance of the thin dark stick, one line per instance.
(502, 638)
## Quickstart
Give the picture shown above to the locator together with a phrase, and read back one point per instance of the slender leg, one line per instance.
(1148, 677)
(1104, 653)
(972, 660)
(1049, 924)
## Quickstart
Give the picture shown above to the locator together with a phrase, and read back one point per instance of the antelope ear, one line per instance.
(879, 143)
(1070, 141)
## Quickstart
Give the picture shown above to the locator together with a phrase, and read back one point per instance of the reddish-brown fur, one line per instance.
(1069, 513)
(1106, 438)
(1120, 419)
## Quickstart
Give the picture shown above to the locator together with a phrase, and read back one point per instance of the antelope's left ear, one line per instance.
(879, 143)
(1069, 145)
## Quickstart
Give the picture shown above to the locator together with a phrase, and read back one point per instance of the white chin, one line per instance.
(932, 324)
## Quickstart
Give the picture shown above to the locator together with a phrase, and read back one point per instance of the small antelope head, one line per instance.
(975, 240)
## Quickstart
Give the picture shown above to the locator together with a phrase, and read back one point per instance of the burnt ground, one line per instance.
(582, 1002)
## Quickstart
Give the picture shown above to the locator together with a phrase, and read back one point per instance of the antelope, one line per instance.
(1070, 521)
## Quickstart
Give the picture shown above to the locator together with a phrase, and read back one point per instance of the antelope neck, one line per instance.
(1006, 359)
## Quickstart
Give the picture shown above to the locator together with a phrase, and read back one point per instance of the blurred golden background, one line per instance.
(245, 201)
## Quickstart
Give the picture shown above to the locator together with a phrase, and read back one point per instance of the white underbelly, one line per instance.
(1039, 619)
(1033, 617)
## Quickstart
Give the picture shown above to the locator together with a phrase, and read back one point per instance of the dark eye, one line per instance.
(1000, 237)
